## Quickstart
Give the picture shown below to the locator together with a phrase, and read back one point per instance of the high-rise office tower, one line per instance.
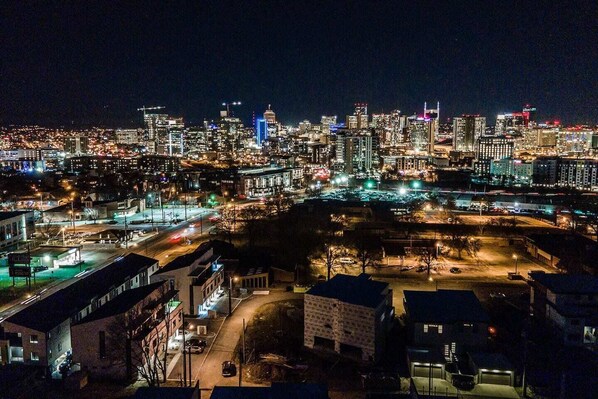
(129, 136)
(466, 130)
(509, 123)
(261, 131)
(356, 151)
(433, 114)
(269, 115)
(492, 147)
(328, 120)
(359, 119)
(421, 134)
(529, 115)
(76, 145)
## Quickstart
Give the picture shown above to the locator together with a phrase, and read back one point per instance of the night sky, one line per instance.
(97, 61)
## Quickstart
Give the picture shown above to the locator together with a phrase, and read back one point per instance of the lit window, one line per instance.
(33, 339)
(425, 328)
(440, 329)
(35, 356)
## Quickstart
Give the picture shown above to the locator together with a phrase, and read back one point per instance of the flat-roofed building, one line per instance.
(40, 334)
(350, 315)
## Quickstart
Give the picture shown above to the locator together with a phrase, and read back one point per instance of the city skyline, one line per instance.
(92, 65)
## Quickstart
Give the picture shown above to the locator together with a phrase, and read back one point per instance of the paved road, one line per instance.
(161, 247)
(210, 372)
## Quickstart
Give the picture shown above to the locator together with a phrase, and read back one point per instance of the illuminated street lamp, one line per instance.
(73, 212)
(516, 262)
(230, 293)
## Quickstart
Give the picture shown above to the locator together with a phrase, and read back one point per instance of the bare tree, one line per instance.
(49, 230)
(474, 246)
(252, 217)
(426, 256)
(368, 251)
(278, 204)
(138, 339)
(227, 221)
(329, 255)
(458, 241)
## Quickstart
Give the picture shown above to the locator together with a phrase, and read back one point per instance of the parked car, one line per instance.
(421, 269)
(229, 369)
(455, 270)
(346, 261)
(195, 345)
(406, 268)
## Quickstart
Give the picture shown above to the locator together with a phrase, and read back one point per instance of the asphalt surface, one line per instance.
(209, 372)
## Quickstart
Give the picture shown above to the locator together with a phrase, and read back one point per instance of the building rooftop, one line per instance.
(166, 393)
(357, 290)
(12, 214)
(276, 391)
(444, 306)
(221, 248)
(567, 283)
(46, 313)
(572, 247)
(122, 303)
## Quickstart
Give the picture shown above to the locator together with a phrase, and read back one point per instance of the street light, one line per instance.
(437, 249)
(230, 293)
(73, 212)
(516, 262)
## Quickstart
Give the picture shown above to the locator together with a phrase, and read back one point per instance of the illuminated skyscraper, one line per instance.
(421, 134)
(434, 116)
(261, 131)
(359, 119)
(466, 130)
(76, 145)
(269, 115)
(489, 148)
(509, 123)
(356, 151)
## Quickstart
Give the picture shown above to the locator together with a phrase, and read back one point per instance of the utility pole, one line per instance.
(126, 236)
(161, 206)
(185, 205)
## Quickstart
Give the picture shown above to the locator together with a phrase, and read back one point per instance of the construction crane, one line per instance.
(144, 108)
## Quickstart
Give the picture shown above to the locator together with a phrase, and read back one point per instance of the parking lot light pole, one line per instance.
(516, 262)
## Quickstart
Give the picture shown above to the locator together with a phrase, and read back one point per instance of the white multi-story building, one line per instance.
(15, 227)
(350, 315)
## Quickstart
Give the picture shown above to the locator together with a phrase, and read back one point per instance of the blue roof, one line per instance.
(357, 290)
(444, 306)
(568, 283)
